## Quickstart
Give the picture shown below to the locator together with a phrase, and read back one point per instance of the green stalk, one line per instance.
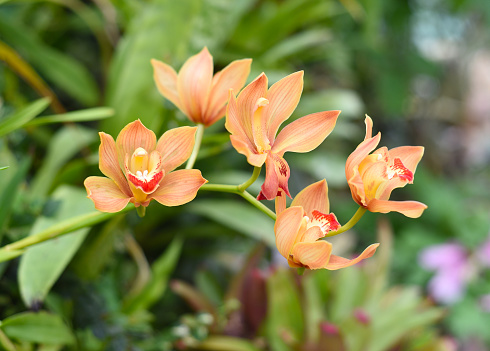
(197, 146)
(6, 343)
(253, 178)
(141, 210)
(62, 228)
(240, 190)
(257, 204)
(355, 218)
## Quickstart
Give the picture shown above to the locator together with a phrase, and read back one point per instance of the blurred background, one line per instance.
(206, 275)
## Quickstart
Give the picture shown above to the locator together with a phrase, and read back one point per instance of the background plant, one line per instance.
(416, 67)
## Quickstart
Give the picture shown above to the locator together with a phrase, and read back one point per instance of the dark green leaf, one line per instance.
(62, 70)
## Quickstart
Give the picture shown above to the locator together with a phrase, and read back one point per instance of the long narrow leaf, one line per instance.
(19, 118)
(55, 66)
(7, 197)
(24, 70)
(91, 114)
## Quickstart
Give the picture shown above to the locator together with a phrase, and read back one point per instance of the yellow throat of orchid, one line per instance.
(144, 172)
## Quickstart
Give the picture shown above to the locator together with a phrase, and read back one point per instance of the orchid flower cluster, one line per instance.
(138, 168)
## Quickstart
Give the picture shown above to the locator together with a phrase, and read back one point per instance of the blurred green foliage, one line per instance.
(408, 64)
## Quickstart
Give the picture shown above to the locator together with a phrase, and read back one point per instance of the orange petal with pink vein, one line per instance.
(105, 194)
(313, 255)
(412, 209)
(175, 146)
(283, 98)
(109, 164)
(286, 228)
(313, 197)
(306, 133)
(166, 80)
(194, 84)
(131, 137)
(232, 77)
(337, 262)
(178, 187)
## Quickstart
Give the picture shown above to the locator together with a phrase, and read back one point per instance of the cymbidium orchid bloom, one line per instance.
(195, 91)
(372, 177)
(254, 117)
(139, 169)
(300, 228)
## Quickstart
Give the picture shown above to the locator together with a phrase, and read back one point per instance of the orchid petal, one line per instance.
(337, 262)
(373, 177)
(313, 255)
(358, 155)
(276, 177)
(106, 195)
(286, 229)
(369, 127)
(109, 164)
(178, 187)
(131, 137)
(283, 98)
(233, 77)
(280, 202)
(175, 146)
(234, 125)
(313, 197)
(306, 133)
(243, 147)
(194, 83)
(240, 113)
(412, 209)
(313, 234)
(166, 80)
(409, 155)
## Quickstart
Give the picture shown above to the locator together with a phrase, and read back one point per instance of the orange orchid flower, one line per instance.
(300, 227)
(254, 117)
(139, 169)
(372, 177)
(195, 91)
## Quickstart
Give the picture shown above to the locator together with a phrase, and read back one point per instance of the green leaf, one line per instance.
(2, 168)
(62, 70)
(20, 118)
(42, 264)
(284, 324)
(226, 343)
(40, 327)
(7, 196)
(238, 216)
(157, 31)
(161, 270)
(64, 145)
(91, 114)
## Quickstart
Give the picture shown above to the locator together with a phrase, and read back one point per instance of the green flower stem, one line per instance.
(240, 190)
(352, 222)
(6, 343)
(256, 203)
(62, 228)
(253, 178)
(197, 146)
(141, 210)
